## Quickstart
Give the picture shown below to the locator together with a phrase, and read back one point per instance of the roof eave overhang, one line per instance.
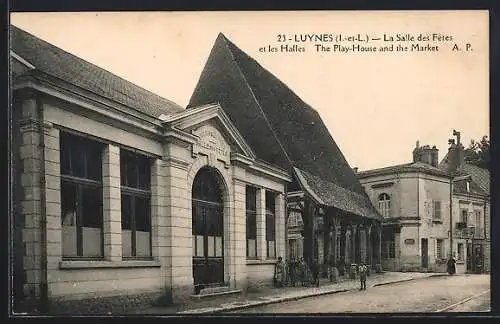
(306, 188)
(98, 108)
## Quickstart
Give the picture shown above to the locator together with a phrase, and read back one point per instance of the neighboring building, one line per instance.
(340, 225)
(122, 196)
(471, 210)
(414, 199)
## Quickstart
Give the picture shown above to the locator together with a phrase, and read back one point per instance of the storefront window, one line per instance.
(251, 215)
(81, 197)
(270, 225)
(135, 205)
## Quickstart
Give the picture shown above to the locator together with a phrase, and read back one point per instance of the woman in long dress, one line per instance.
(279, 272)
(450, 265)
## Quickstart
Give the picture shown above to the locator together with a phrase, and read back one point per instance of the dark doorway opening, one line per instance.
(425, 253)
(208, 230)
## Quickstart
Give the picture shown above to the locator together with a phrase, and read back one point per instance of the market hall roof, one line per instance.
(280, 127)
(53, 61)
(330, 194)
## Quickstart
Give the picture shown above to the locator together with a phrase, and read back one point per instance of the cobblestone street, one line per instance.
(423, 295)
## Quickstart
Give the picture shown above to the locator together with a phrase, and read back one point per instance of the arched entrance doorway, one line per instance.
(208, 229)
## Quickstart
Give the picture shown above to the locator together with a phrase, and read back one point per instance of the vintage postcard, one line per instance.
(279, 162)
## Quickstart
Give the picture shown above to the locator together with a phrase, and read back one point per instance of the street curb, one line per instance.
(393, 282)
(438, 275)
(281, 300)
(263, 303)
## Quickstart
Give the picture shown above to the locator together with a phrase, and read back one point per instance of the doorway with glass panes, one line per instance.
(208, 229)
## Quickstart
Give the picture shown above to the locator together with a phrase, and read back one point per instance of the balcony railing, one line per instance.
(479, 233)
(469, 232)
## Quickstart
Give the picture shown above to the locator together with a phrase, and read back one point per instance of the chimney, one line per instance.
(434, 156)
(456, 153)
(355, 169)
(416, 151)
(425, 154)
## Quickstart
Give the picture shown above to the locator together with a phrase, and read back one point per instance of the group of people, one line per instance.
(298, 271)
(294, 272)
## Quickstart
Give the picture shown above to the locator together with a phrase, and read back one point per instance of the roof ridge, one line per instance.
(232, 47)
(58, 49)
(263, 68)
(226, 41)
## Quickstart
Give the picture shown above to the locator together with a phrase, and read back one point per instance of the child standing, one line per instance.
(362, 270)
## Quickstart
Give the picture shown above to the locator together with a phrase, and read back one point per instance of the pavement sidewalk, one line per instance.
(276, 295)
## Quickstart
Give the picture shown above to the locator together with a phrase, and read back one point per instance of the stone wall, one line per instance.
(110, 284)
(412, 195)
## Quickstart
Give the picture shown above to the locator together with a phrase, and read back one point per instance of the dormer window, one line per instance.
(468, 186)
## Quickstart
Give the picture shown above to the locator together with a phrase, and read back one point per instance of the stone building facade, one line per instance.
(471, 210)
(433, 210)
(414, 200)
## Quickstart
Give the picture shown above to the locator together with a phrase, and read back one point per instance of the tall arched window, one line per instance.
(384, 205)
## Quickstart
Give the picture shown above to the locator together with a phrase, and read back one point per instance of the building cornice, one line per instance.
(471, 196)
(98, 109)
(22, 60)
(407, 170)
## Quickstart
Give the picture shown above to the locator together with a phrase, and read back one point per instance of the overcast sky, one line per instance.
(376, 105)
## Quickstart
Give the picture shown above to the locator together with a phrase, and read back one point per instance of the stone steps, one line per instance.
(215, 291)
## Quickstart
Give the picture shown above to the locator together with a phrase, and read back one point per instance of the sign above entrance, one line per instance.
(212, 144)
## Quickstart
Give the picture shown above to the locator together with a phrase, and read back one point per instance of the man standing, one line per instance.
(362, 269)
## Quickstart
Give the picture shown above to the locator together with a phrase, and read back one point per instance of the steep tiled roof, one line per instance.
(401, 168)
(460, 187)
(479, 175)
(53, 61)
(330, 194)
(280, 127)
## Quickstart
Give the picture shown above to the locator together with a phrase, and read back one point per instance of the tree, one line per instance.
(478, 153)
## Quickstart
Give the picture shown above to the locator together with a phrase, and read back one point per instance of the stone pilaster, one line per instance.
(159, 221)
(53, 199)
(30, 199)
(280, 213)
(112, 226)
(178, 227)
(261, 224)
(238, 240)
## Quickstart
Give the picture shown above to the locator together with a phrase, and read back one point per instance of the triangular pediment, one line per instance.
(209, 124)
